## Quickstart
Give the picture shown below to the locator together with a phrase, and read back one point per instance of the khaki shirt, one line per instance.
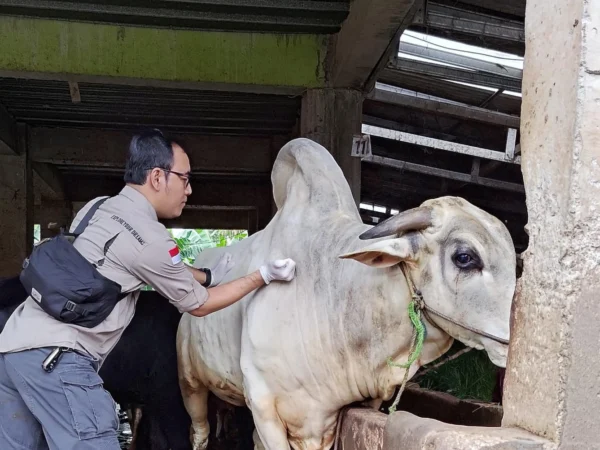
(141, 254)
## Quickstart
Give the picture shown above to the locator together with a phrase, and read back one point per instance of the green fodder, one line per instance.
(471, 376)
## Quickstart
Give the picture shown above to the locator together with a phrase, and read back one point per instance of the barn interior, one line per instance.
(235, 80)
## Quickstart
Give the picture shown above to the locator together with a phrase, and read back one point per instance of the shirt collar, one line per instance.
(139, 201)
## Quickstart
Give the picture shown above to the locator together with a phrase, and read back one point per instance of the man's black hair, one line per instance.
(148, 150)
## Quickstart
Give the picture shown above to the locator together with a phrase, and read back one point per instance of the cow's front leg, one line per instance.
(269, 428)
(258, 445)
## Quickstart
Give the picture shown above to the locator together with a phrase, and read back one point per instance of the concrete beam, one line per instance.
(92, 51)
(366, 41)
(107, 149)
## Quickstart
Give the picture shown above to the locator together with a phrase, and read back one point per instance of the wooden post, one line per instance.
(332, 117)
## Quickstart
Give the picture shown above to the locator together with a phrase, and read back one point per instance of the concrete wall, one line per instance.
(554, 364)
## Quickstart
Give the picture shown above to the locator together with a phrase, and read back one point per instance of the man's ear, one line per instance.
(154, 178)
(385, 253)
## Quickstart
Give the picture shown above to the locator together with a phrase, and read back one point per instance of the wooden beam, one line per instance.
(207, 192)
(440, 144)
(51, 177)
(8, 133)
(332, 117)
(452, 109)
(25, 149)
(217, 217)
(108, 148)
(366, 41)
(443, 173)
(512, 7)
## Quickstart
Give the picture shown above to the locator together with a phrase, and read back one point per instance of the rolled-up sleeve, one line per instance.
(160, 266)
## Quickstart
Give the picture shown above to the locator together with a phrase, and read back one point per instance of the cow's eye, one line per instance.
(466, 260)
(463, 258)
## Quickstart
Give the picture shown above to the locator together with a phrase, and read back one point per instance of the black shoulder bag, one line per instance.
(65, 284)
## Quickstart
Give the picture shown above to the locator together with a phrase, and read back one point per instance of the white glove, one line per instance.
(280, 269)
(222, 268)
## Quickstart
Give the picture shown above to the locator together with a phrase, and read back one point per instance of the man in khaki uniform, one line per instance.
(68, 408)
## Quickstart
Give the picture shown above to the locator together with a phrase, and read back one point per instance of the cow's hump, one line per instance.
(304, 171)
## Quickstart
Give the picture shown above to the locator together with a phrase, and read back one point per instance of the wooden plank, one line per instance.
(108, 148)
(451, 109)
(440, 144)
(8, 133)
(51, 177)
(332, 117)
(443, 173)
(25, 149)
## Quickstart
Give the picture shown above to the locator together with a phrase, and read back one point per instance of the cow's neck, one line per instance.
(374, 307)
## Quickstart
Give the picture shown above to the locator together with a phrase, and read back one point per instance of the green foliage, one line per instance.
(193, 241)
(470, 376)
(37, 233)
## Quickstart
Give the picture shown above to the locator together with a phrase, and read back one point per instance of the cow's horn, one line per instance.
(409, 220)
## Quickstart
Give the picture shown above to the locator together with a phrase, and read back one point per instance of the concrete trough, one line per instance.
(428, 420)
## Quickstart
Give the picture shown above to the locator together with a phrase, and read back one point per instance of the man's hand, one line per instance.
(280, 269)
(226, 294)
(222, 268)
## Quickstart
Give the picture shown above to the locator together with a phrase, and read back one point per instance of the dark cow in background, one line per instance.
(141, 374)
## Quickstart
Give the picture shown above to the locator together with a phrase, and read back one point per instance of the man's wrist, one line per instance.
(208, 275)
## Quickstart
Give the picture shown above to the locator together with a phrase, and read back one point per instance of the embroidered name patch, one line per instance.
(129, 228)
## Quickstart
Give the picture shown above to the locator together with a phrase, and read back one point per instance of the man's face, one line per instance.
(176, 186)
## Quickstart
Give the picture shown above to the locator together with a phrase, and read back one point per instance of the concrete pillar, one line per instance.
(331, 117)
(16, 207)
(552, 381)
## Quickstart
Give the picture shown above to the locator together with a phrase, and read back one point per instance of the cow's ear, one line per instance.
(384, 253)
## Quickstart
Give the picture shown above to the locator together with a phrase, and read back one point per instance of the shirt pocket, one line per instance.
(93, 411)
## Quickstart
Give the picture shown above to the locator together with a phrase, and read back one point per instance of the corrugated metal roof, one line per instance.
(116, 106)
(289, 16)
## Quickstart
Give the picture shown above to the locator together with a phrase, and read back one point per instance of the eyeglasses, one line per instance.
(184, 176)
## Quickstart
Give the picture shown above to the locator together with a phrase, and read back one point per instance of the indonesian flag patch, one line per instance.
(175, 256)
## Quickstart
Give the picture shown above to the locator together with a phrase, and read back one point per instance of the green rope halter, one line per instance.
(418, 337)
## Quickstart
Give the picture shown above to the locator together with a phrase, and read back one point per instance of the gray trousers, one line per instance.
(66, 409)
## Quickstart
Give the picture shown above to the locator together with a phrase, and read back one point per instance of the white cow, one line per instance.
(296, 353)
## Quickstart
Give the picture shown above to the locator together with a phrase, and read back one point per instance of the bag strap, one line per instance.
(88, 216)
